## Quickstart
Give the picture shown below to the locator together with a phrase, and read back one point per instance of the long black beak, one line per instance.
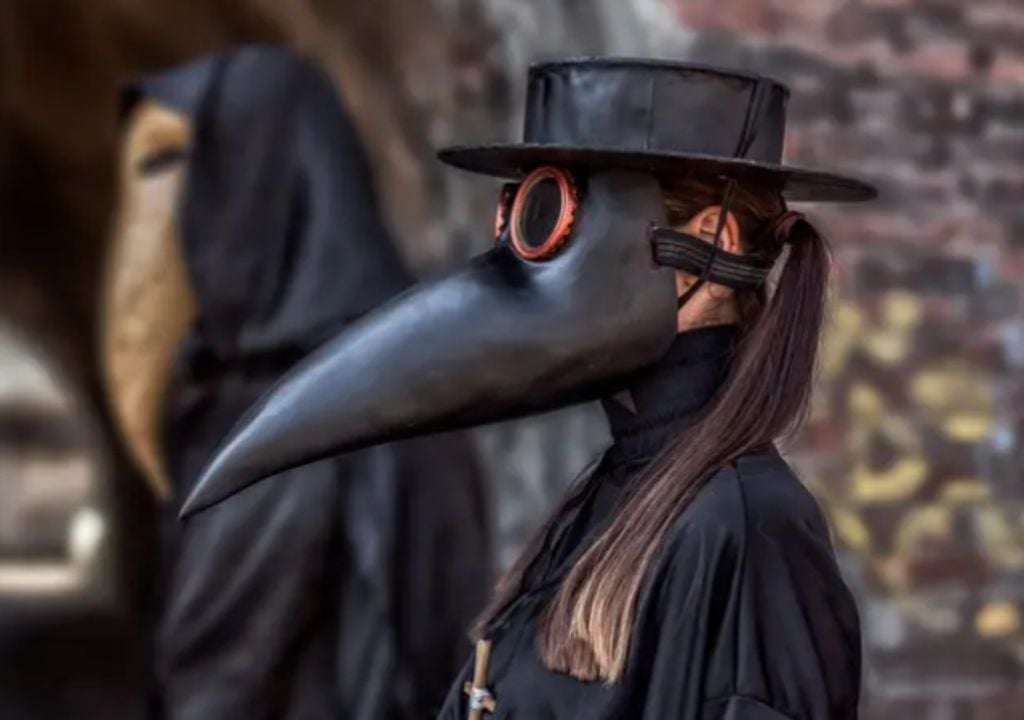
(498, 339)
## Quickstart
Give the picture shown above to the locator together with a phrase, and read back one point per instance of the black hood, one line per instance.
(281, 230)
(281, 234)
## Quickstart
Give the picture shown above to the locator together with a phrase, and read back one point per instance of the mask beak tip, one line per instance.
(193, 505)
(223, 477)
(206, 493)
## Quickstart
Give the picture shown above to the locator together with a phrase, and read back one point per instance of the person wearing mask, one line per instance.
(648, 258)
(248, 233)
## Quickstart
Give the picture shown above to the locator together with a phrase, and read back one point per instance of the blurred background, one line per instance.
(914, 446)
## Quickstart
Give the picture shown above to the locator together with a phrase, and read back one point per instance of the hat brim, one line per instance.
(795, 183)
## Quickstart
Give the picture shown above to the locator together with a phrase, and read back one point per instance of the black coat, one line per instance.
(342, 589)
(743, 617)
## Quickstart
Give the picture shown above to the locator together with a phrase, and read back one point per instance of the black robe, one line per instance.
(743, 617)
(333, 590)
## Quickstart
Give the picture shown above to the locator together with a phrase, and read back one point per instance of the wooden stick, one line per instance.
(483, 658)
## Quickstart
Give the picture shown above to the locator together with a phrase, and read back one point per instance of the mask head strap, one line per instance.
(709, 262)
(706, 271)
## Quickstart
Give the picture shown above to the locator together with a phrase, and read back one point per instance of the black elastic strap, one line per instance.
(746, 139)
(690, 253)
(705, 273)
(751, 120)
(690, 292)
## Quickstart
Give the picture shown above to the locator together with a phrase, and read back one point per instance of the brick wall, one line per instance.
(914, 443)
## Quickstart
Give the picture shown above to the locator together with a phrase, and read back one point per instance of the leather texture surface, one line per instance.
(500, 338)
(657, 116)
(148, 305)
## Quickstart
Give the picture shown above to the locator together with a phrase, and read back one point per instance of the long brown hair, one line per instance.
(585, 630)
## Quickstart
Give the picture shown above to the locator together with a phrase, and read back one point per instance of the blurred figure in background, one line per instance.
(248, 233)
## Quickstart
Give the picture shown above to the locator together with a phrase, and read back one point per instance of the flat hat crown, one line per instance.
(656, 106)
(657, 116)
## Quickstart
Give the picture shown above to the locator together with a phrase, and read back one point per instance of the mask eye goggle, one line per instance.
(538, 213)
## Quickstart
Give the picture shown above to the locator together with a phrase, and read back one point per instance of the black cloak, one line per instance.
(339, 589)
(744, 616)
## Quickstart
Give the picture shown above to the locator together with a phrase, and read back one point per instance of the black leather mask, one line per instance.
(578, 293)
(502, 337)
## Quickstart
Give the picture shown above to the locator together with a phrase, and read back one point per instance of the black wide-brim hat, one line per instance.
(660, 116)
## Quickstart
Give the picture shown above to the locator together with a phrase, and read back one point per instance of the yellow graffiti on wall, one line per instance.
(903, 486)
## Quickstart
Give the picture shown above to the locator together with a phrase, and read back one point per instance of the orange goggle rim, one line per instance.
(563, 225)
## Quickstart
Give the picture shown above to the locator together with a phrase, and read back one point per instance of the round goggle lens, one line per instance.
(543, 213)
(542, 206)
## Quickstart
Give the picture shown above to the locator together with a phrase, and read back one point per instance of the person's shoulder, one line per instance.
(773, 494)
(758, 492)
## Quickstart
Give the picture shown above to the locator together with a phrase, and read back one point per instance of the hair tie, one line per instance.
(782, 225)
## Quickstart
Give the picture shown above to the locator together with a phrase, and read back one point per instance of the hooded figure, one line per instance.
(689, 575)
(333, 590)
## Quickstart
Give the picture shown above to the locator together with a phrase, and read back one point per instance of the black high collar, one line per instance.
(658, 401)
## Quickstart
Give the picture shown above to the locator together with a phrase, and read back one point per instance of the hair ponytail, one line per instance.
(586, 629)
